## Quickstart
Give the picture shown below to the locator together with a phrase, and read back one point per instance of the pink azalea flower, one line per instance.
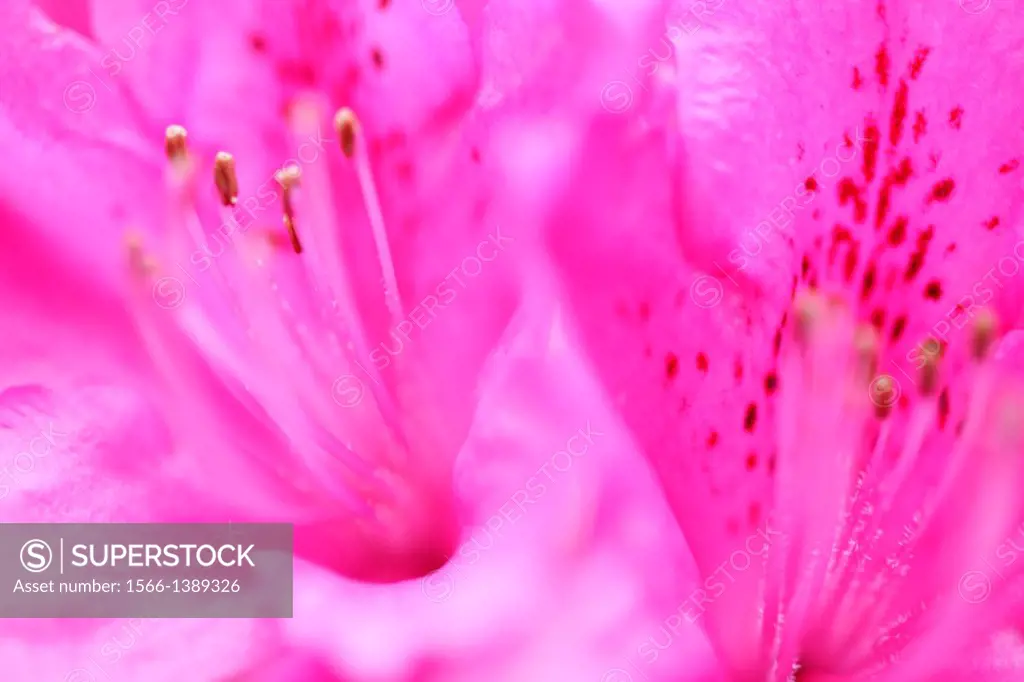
(322, 371)
(569, 561)
(802, 224)
(331, 359)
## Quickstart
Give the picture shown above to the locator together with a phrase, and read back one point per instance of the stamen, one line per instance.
(865, 342)
(353, 145)
(225, 178)
(808, 312)
(932, 354)
(346, 123)
(288, 178)
(139, 260)
(884, 394)
(983, 335)
(175, 143)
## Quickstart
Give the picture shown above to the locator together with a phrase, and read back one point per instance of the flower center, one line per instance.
(868, 490)
(268, 360)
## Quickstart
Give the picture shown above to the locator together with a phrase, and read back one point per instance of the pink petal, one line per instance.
(688, 380)
(62, 126)
(546, 532)
(72, 453)
(668, 338)
(73, 14)
(129, 650)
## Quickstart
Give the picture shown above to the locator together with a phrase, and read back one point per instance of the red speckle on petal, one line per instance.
(917, 257)
(943, 412)
(943, 189)
(751, 461)
(882, 65)
(377, 57)
(899, 114)
(992, 223)
(771, 382)
(956, 118)
(878, 319)
(882, 209)
(750, 418)
(811, 184)
(712, 439)
(671, 365)
(1009, 166)
(898, 231)
(850, 262)
(920, 125)
(645, 311)
(898, 325)
(849, 192)
(754, 513)
(702, 363)
(871, 150)
(902, 172)
(258, 43)
(933, 290)
(857, 79)
(868, 283)
(918, 63)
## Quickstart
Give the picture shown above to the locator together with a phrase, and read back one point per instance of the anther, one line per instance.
(808, 312)
(137, 256)
(884, 396)
(175, 143)
(983, 334)
(288, 178)
(931, 351)
(347, 125)
(225, 179)
(865, 343)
